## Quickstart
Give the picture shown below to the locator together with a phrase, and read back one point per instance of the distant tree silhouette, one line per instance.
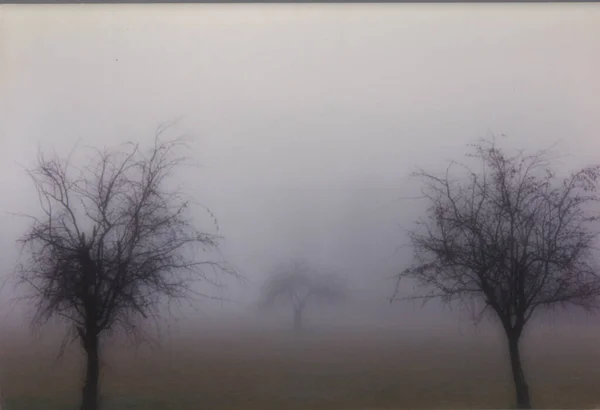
(510, 236)
(112, 243)
(297, 283)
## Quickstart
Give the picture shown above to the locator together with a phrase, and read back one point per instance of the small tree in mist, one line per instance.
(511, 236)
(298, 284)
(112, 244)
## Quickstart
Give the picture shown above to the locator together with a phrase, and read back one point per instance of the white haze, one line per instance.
(306, 119)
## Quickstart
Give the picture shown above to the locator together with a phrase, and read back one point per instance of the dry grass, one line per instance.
(254, 370)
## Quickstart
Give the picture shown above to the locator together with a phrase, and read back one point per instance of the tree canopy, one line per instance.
(510, 235)
(113, 241)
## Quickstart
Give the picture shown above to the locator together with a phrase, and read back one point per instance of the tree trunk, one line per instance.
(297, 320)
(521, 388)
(89, 399)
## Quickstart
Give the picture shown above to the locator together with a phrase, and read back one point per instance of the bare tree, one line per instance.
(112, 244)
(297, 283)
(511, 237)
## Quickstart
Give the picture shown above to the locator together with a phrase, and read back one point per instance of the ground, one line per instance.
(342, 370)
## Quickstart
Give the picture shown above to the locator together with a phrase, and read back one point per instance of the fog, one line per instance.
(304, 122)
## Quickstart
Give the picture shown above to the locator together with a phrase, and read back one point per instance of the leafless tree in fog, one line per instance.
(113, 242)
(511, 236)
(296, 282)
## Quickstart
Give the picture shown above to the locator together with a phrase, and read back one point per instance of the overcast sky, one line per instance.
(307, 119)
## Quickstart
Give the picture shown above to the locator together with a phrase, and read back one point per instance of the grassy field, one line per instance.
(346, 370)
